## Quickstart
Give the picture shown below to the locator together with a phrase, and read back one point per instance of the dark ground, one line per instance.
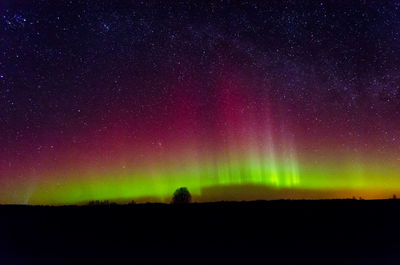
(276, 232)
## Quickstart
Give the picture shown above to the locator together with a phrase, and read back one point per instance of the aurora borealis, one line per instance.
(122, 100)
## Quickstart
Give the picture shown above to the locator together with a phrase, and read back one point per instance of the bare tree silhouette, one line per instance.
(181, 195)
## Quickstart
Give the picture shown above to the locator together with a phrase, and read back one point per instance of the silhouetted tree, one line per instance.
(181, 195)
(394, 197)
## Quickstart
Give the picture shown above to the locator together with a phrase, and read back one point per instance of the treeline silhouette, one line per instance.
(180, 196)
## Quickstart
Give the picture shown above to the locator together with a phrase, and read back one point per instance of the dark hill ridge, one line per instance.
(258, 232)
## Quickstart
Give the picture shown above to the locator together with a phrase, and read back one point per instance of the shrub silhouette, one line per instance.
(181, 195)
(99, 203)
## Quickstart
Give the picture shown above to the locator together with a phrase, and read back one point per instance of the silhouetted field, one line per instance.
(275, 232)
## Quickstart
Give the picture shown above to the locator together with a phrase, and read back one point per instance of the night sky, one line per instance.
(121, 100)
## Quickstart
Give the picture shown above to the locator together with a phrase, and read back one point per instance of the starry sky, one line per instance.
(236, 100)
